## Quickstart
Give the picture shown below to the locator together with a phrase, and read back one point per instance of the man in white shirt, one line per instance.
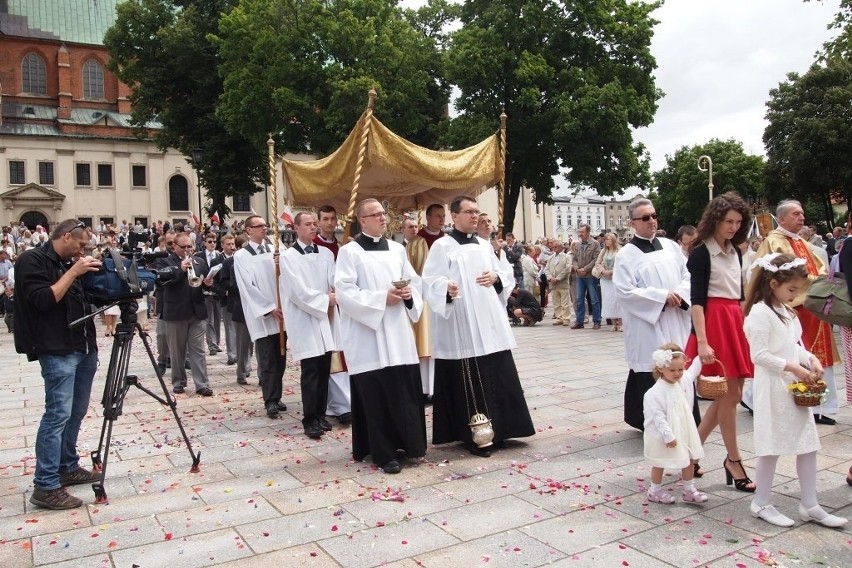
(307, 294)
(254, 269)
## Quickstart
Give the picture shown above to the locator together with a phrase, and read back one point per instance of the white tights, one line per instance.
(805, 468)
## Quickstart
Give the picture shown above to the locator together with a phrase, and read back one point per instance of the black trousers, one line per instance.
(314, 381)
(270, 367)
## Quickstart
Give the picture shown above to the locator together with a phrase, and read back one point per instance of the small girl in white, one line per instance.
(671, 437)
(781, 427)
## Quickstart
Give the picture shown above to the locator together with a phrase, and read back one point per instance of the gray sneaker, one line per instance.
(55, 499)
(79, 476)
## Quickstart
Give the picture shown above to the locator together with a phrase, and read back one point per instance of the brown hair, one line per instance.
(715, 212)
(761, 291)
(677, 353)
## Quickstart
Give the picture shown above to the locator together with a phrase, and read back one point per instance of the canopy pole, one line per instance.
(359, 165)
(501, 193)
(273, 207)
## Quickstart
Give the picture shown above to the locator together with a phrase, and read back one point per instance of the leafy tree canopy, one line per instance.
(301, 69)
(574, 77)
(809, 136)
(160, 49)
(681, 188)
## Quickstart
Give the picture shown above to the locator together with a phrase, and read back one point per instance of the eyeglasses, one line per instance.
(170, 242)
(470, 212)
(80, 225)
(183, 246)
(210, 242)
(377, 215)
(645, 218)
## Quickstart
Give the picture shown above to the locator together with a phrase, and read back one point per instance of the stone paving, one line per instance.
(266, 495)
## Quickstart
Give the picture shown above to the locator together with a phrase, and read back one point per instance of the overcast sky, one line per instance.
(717, 61)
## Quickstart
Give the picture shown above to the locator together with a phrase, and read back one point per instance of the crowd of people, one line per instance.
(382, 327)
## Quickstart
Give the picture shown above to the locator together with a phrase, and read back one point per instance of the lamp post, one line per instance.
(197, 155)
(705, 164)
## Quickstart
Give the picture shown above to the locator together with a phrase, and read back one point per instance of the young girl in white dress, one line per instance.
(671, 437)
(780, 427)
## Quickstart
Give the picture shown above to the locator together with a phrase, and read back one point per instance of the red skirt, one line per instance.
(723, 324)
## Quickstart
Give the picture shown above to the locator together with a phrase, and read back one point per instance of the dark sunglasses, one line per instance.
(646, 218)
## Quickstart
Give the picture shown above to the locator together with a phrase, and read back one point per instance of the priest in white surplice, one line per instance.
(254, 269)
(463, 284)
(307, 284)
(652, 286)
(378, 342)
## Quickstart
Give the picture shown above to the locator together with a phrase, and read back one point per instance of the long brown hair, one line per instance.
(715, 212)
(762, 291)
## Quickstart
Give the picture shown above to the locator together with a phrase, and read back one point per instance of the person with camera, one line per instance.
(49, 297)
(184, 315)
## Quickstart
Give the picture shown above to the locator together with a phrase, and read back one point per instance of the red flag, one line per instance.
(195, 220)
(286, 215)
(215, 217)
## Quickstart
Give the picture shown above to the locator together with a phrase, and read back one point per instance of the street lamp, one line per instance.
(705, 164)
(197, 155)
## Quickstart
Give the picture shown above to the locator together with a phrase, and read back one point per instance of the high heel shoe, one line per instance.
(740, 484)
(696, 470)
(771, 515)
(818, 515)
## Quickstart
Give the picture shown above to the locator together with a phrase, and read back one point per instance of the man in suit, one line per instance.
(227, 287)
(254, 267)
(183, 314)
(228, 250)
(163, 360)
(204, 263)
(558, 271)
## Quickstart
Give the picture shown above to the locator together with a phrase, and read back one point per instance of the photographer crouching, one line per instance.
(49, 297)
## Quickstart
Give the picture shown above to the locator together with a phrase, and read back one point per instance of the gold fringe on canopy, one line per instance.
(406, 175)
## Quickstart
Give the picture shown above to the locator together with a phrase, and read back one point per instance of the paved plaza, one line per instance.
(267, 496)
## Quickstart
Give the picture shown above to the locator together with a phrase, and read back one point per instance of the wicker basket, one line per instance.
(712, 387)
(811, 396)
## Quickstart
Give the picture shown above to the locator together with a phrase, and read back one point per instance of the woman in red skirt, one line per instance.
(715, 266)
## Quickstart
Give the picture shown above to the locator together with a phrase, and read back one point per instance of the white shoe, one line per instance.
(818, 515)
(771, 515)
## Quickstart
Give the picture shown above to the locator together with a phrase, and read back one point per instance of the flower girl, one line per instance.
(671, 437)
(780, 426)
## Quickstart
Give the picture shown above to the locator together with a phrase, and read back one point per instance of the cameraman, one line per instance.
(49, 297)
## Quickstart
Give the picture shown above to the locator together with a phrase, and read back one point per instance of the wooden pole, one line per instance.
(273, 208)
(359, 165)
(501, 193)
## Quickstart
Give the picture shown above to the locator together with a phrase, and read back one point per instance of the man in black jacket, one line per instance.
(226, 283)
(184, 316)
(49, 297)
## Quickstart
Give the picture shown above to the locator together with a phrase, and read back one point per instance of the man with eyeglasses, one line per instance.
(652, 286)
(378, 293)
(229, 247)
(163, 359)
(254, 270)
(205, 260)
(183, 317)
(49, 295)
(471, 339)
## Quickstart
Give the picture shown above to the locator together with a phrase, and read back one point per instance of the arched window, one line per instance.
(178, 194)
(93, 80)
(33, 75)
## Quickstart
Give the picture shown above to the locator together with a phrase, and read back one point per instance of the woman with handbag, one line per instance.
(844, 260)
(715, 267)
(603, 270)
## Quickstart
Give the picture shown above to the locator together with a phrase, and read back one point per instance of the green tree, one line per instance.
(574, 78)
(302, 69)
(809, 137)
(160, 49)
(681, 188)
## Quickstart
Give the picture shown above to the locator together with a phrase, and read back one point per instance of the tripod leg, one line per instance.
(98, 487)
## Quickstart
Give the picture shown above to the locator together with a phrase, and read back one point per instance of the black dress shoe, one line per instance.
(213, 352)
(272, 410)
(206, 391)
(178, 390)
(314, 431)
(162, 368)
(823, 419)
(231, 361)
(747, 407)
(477, 451)
(186, 365)
(391, 467)
(324, 424)
(242, 382)
(281, 406)
(345, 419)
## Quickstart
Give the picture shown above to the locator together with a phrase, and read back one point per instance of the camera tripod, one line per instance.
(118, 383)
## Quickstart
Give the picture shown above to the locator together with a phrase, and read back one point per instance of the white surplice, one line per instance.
(258, 292)
(642, 283)
(373, 334)
(476, 323)
(305, 282)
